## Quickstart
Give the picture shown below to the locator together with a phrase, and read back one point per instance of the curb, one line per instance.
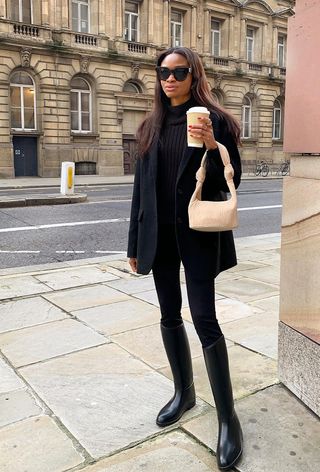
(42, 200)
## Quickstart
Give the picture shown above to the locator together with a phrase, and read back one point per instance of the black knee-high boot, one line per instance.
(178, 351)
(230, 441)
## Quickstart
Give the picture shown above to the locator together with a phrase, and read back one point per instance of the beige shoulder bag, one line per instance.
(212, 215)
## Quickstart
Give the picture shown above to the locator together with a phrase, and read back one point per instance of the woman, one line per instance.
(160, 237)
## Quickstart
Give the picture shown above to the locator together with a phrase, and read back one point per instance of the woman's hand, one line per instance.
(133, 264)
(204, 131)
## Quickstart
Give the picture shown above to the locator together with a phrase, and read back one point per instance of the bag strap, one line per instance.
(228, 169)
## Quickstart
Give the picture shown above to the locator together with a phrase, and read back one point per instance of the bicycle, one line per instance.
(284, 168)
(262, 168)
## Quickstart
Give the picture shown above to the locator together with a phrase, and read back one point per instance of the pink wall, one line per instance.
(302, 105)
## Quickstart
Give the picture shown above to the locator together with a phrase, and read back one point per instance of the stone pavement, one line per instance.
(83, 372)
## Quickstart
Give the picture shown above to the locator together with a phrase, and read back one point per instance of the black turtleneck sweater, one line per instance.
(172, 145)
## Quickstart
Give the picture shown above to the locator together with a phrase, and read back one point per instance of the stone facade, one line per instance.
(115, 60)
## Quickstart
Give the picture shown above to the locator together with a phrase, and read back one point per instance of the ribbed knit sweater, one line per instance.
(172, 145)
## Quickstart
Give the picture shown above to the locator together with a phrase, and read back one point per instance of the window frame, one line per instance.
(22, 108)
(173, 25)
(252, 40)
(213, 43)
(283, 47)
(130, 15)
(246, 107)
(79, 3)
(274, 123)
(20, 9)
(79, 109)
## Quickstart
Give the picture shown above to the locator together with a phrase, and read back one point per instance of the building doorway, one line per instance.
(129, 154)
(25, 156)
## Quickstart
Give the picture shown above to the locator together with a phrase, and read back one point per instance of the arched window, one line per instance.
(23, 101)
(246, 117)
(132, 87)
(81, 119)
(276, 122)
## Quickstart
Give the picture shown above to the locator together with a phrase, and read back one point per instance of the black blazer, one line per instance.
(206, 254)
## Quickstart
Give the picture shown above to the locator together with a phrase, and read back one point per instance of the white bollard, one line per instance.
(67, 178)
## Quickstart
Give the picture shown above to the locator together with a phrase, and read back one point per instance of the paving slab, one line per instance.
(66, 278)
(85, 297)
(9, 379)
(151, 296)
(270, 304)
(246, 289)
(36, 445)
(258, 333)
(174, 452)
(249, 372)
(104, 396)
(228, 309)
(119, 317)
(269, 274)
(18, 405)
(280, 433)
(133, 285)
(26, 312)
(42, 342)
(11, 287)
(245, 265)
(146, 344)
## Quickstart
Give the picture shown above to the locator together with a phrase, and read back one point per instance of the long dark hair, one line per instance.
(149, 129)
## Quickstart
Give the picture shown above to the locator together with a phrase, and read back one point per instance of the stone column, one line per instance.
(65, 15)
(275, 46)
(231, 36)
(265, 49)
(102, 17)
(150, 21)
(193, 29)
(207, 32)
(119, 18)
(45, 13)
(242, 42)
(166, 32)
(3, 13)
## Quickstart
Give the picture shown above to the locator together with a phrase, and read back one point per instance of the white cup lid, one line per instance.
(198, 110)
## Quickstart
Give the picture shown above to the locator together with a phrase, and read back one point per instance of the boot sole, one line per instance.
(168, 423)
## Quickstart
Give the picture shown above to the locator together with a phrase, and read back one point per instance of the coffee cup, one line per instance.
(192, 119)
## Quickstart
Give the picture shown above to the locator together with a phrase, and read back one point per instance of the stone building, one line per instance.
(77, 76)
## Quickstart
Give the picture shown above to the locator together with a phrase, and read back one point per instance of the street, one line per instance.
(44, 234)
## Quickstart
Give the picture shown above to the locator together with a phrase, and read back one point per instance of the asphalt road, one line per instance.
(44, 234)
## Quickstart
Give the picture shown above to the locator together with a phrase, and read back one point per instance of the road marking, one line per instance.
(62, 225)
(110, 252)
(113, 220)
(70, 252)
(19, 252)
(267, 207)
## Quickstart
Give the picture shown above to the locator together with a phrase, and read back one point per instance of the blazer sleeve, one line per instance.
(215, 167)
(135, 206)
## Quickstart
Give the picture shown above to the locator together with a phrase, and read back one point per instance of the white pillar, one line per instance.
(231, 36)
(3, 12)
(207, 32)
(193, 29)
(242, 42)
(275, 46)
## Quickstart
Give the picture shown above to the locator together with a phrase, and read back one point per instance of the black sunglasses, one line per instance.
(179, 73)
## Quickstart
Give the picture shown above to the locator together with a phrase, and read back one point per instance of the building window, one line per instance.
(176, 28)
(132, 87)
(250, 44)
(276, 122)
(246, 117)
(80, 16)
(22, 10)
(80, 106)
(23, 102)
(281, 51)
(131, 22)
(215, 37)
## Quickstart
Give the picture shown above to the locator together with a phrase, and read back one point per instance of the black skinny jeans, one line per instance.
(166, 274)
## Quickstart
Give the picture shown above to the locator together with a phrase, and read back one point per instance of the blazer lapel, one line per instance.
(189, 152)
